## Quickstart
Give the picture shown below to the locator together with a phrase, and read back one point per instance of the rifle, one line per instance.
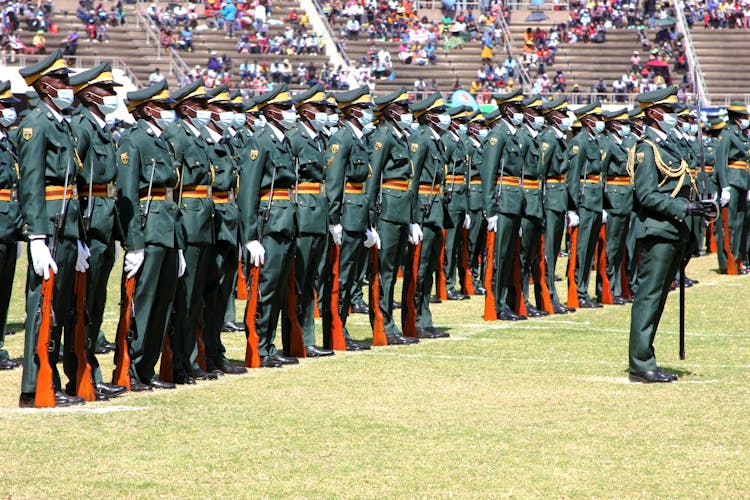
(337, 340)
(84, 387)
(378, 322)
(572, 286)
(468, 285)
(490, 310)
(199, 344)
(296, 343)
(144, 216)
(601, 266)
(546, 299)
(45, 390)
(125, 335)
(166, 373)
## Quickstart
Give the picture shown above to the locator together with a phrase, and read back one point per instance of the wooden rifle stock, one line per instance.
(442, 291)
(520, 305)
(166, 372)
(601, 266)
(624, 280)
(252, 357)
(45, 390)
(731, 263)
(338, 341)
(410, 318)
(490, 310)
(711, 230)
(378, 323)
(296, 344)
(124, 327)
(546, 298)
(200, 345)
(241, 282)
(468, 282)
(84, 387)
(572, 286)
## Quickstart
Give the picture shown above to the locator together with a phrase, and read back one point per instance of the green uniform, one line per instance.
(347, 162)
(532, 221)
(307, 150)
(141, 151)
(96, 149)
(221, 258)
(46, 151)
(736, 155)
(502, 168)
(391, 209)
(716, 180)
(478, 228)
(554, 165)
(195, 217)
(662, 238)
(270, 163)
(586, 193)
(457, 201)
(9, 225)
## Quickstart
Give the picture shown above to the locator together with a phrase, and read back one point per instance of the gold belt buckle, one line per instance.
(169, 194)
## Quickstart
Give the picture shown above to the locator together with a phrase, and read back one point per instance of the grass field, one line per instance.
(540, 408)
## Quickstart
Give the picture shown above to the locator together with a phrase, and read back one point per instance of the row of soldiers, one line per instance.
(314, 190)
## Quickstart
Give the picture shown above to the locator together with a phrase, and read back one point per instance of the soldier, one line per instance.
(146, 176)
(477, 131)
(195, 217)
(502, 170)
(268, 215)
(717, 181)
(307, 150)
(456, 196)
(586, 194)
(347, 169)
(10, 218)
(391, 204)
(637, 129)
(221, 258)
(48, 165)
(428, 163)
(663, 190)
(618, 192)
(554, 165)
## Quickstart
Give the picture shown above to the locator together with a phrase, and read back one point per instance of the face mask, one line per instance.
(538, 123)
(694, 129)
(516, 119)
(598, 127)
(64, 98)
(565, 124)
(462, 129)
(744, 123)
(288, 118)
(238, 120)
(332, 130)
(483, 133)
(333, 119)
(167, 117)
(368, 127)
(108, 105)
(366, 117)
(405, 120)
(668, 121)
(8, 117)
(444, 121)
(319, 121)
(685, 127)
(226, 118)
(624, 130)
(260, 123)
(201, 119)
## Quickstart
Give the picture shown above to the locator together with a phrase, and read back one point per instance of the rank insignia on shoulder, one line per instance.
(545, 146)
(377, 146)
(604, 155)
(27, 133)
(253, 154)
(575, 150)
(124, 158)
(334, 148)
(493, 141)
(640, 157)
(414, 147)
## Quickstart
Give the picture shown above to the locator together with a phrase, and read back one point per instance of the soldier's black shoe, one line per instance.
(649, 377)
(744, 271)
(100, 396)
(136, 386)
(230, 369)
(157, 383)
(532, 312)
(455, 295)
(587, 304)
(270, 362)
(104, 347)
(510, 316)
(398, 339)
(109, 390)
(435, 300)
(231, 326)
(396, 305)
(314, 351)
(184, 379)
(479, 290)
(559, 309)
(619, 301)
(424, 333)
(10, 332)
(201, 375)
(8, 364)
(27, 400)
(284, 360)
(353, 345)
(360, 308)
(671, 376)
(437, 333)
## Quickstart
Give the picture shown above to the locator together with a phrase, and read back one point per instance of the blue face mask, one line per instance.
(166, 118)
(201, 118)
(366, 117)
(8, 117)
(108, 105)
(64, 99)
(288, 118)
(668, 121)
(598, 127)
(238, 120)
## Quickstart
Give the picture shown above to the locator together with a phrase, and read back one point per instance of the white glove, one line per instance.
(604, 216)
(371, 238)
(134, 261)
(337, 233)
(492, 223)
(726, 195)
(748, 196)
(83, 256)
(257, 252)
(41, 258)
(415, 234)
(573, 219)
(181, 264)
(467, 221)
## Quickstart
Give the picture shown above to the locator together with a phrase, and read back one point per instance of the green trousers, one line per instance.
(477, 246)
(505, 255)
(737, 228)
(352, 259)
(531, 233)
(588, 235)
(393, 238)
(8, 254)
(631, 262)
(62, 305)
(432, 243)
(617, 235)
(453, 248)
(310, 249)
(659, 261)
(221, 272)
(155, 288)
(554, 226)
